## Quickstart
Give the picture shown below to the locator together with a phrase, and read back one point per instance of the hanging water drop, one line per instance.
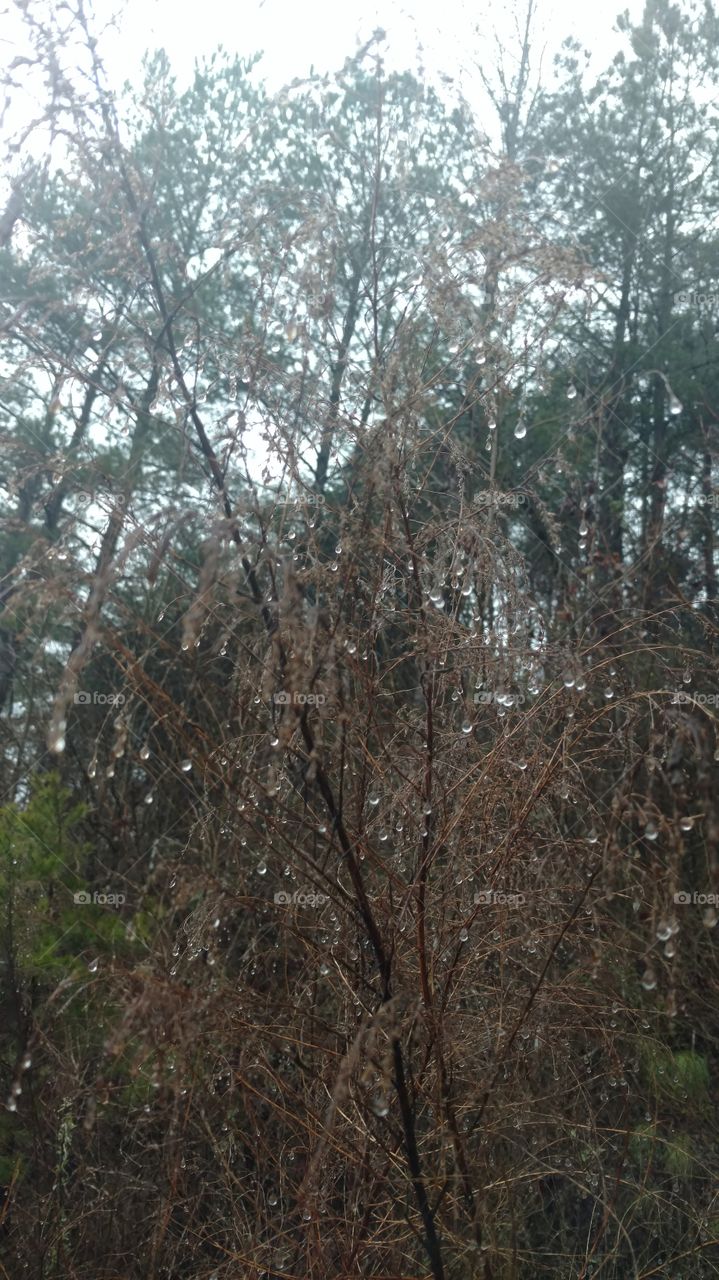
(93, 966)
(520, 430)
(649, 979)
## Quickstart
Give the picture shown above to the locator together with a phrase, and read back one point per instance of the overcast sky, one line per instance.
(323, 32)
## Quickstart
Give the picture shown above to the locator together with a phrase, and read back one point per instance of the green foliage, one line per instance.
(680, 1076)
(678, 1155)
(41, 869)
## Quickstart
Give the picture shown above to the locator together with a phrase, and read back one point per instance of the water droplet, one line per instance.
(649, 979)
(687, 676)
(92, 770)
(710, 917)
(144, 752)
(571, 392)
(26, 1062)
(686, 824)
(520, 430)
(568, 679)
(186, 766)
(608, 693)
(93, 965)
(380, 1105)
(466, 726)
(373, 799)
(675, 405)
(651, 831)
(272, 1199)
(522, 764)
(149, 798)
(670, 950)
(464, 935)
(262, 869)
(274, 742)
(664, 930)
(593, 836)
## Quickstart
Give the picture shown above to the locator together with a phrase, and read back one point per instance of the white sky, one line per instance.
(294, 35)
